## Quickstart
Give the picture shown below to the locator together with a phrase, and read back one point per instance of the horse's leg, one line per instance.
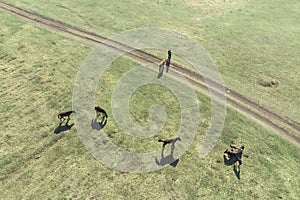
(60, 118)
(173, 147)
(68, 119)
(102, 120)
(239, 160)
(162, 152)
(63, 118)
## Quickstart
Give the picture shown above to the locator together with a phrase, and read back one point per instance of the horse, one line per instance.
(61, 116)
(161, 65)
(235, 153)
(100, 110)
(170, 158)
(169, 141)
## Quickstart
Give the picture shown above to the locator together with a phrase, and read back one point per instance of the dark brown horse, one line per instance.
(61, 116)
(169, 141)
(168, 61)
(100, 110)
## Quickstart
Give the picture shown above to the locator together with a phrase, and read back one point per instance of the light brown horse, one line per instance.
(161, 65)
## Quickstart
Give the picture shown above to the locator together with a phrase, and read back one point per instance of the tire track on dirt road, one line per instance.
(236, 100)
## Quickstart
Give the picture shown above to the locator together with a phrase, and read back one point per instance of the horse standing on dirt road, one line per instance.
(168, 60)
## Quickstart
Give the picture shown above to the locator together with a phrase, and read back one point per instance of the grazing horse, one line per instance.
(235, 153)
(100, 110)
(170, 141)
(61, 116)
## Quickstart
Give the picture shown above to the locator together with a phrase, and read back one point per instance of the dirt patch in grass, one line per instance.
(268, 83)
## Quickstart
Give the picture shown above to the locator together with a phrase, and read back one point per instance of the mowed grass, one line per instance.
(38, 69)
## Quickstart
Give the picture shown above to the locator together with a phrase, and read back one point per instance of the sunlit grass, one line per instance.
(38, 69)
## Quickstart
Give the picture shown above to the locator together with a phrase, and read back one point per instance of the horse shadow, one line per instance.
(98, 125)
(161, 72)
(61, 128)
(233, 161)
(169, 159)
(237, 171)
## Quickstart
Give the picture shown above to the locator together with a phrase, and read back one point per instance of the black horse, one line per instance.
(169, 141)
(100, 110)
(168, 61)
(170, 158)
(235, 154)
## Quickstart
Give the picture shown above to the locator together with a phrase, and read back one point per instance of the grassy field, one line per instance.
(260, 41)
(38, 69)
(249, 40)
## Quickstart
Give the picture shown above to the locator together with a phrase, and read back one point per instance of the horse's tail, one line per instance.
(58, 116)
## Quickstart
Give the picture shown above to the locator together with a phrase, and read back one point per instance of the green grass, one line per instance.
(260, 41)
(249, 40)
(140, 103)
(38, 69)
